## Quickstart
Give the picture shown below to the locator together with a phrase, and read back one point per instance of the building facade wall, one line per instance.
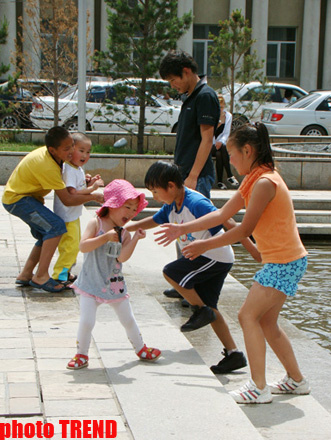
(311, 20)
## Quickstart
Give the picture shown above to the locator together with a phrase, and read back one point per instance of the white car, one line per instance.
(310, 116)
(248, 98)
(100, 96)
(158, 87)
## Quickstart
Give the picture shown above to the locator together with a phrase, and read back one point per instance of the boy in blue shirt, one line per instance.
(199, 281)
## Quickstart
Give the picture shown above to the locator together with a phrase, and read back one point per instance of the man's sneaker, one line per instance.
(172, 293)
(233, 181)
(250, 393)
(290, 386)
(221, 185)
(185, 303)
(230, 362)
(202, 316)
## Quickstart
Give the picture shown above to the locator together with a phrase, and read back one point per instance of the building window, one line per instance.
(201, 43)
(281, 52)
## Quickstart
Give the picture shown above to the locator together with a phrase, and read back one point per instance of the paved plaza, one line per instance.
(177, 397)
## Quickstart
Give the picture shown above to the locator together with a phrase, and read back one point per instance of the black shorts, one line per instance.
(204, 275)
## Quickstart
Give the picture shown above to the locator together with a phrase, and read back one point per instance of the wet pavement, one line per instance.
(177, 397)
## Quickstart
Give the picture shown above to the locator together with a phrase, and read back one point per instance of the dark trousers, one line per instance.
(222, 162)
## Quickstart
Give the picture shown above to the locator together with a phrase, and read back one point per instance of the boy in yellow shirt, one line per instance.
(35, 176)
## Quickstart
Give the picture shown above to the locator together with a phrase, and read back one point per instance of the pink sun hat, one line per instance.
(118, 191)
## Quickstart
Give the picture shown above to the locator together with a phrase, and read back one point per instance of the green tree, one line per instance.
(50, 33)
(10, 88)
(232, 59)
(4, 68)
(140, 31)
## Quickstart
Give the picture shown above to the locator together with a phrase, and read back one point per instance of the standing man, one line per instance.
(197, 121)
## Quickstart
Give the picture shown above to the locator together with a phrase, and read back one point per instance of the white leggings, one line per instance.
(88, 311)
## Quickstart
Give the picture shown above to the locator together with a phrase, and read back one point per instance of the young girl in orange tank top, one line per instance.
(262, 192)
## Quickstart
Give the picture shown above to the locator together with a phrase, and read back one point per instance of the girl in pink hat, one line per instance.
(106, 245)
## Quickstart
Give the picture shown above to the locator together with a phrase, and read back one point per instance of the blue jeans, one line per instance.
(205, 184)
(44, 224)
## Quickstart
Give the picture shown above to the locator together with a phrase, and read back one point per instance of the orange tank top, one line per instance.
(276, 233)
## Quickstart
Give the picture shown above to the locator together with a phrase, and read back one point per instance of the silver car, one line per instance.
(310, 116)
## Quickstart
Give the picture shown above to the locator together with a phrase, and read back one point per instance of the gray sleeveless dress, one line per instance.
(101, 275)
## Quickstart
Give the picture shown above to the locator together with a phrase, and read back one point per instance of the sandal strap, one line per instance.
(149, 353)
(78, 360)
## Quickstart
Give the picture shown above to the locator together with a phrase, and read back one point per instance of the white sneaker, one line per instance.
(250, 393)
(233, 181)
(289, 386)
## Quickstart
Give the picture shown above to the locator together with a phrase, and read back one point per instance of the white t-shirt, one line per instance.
(75, 178)
(195, 205)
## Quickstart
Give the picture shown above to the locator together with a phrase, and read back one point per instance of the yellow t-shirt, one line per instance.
(36, 175)
(276, 233)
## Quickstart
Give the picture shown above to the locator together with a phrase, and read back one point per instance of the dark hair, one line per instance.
(103, 212)
(161, 173)
(55, 136)
(257, 136)
(174, 62)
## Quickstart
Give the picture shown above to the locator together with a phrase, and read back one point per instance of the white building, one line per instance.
(293, 36)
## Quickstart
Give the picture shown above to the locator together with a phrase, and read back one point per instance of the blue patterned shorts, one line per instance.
(283, 277)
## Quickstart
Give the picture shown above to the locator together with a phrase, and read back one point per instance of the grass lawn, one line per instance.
(7, 145)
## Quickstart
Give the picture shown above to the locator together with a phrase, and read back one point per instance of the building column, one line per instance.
(186, 41)
(260, 29)
(8, 11)
(310, 44)
(238, 4)
(326, 80)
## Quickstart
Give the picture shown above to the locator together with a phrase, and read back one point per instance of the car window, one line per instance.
(267, 93)
(96, 94)
(69, 91)
(305, 100)
(325, 105)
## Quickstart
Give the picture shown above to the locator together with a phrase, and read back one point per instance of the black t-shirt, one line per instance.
(201, 107)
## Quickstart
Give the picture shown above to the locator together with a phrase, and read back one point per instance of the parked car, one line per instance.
(42, 87)
(310, 116)
(159, 115)
(16, 106)
(248, 98)
(157, 87)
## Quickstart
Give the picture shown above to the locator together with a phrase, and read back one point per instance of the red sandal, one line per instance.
(149, 354)
(77, 362)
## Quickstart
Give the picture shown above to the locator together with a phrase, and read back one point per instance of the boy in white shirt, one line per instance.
(77, 183)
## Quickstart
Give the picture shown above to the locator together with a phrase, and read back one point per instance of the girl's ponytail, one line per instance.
(257, 136)
(265, 154)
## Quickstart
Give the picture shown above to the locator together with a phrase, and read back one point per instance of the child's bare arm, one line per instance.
(129, 244)
(87, 190)
(90, 241)
(77, 199)
(248, 244)
(145, 223)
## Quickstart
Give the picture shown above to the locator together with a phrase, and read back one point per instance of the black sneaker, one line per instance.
(185, 303)
(202, 316)
(230, 362)
(172, 293)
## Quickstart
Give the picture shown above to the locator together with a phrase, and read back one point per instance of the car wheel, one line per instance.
(72, 125)
(238, 121)
(9, 121)
(314, 130)
(174, 128)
